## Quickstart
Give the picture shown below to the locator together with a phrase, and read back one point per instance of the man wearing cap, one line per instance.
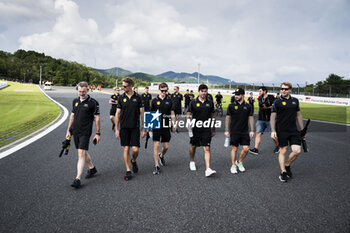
(202, 110)
(239, 114)
(113, 101)
(285, 114)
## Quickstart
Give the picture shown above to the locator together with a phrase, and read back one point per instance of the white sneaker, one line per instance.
(209, 172)
(234, 169)
(193, 166)
(240, 166)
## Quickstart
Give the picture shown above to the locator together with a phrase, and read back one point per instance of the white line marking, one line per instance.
(40, 135)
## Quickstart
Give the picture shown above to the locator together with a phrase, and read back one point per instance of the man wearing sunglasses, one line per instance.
(202, 110)
(127, 123)
(166, 107)
(285, 113)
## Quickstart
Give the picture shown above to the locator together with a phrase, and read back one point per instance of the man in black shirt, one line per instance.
(285, 113)
(129, 110)
(219, 98)
(265, 106)
(202, 110)
(236, 128)
(165, 106)
(146, 99)
(177, 98)
(85, 111)
(187, 100)
(113, 101)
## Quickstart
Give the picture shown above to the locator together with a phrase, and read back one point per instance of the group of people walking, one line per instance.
(279, 116)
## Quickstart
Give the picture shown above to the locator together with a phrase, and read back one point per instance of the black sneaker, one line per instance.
(283, 177)
(113, 126)
(276, 150)
(128, 176)
(161, 160)
(288, 172)
(254, 151)
(135, 168)
(76, 183)
(156, 170)
(91, 173)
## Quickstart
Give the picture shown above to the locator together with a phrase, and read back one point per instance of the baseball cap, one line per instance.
(239, 91)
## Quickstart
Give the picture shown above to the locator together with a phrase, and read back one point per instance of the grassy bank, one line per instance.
(23, 109)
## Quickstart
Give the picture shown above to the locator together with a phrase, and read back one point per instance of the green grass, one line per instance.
(322, 112)
(23, 109)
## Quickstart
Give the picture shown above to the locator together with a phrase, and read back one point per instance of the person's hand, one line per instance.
(213, 132)
(274, 135)
(251, 134)
(68, 134)
(117, 134)
(143, 133)
(227, 134)
(97, 138)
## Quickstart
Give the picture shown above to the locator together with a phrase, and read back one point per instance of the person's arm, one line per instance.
(227, 126)
(251, 126)
(143, 131)
(98, 125)
(273, 125)
(70, 123)
(188, 118)
(213, 120)
(300, 120)
(173, 120)
(116, 122)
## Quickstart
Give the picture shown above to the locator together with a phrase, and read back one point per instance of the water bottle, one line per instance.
(227, 142)
(190, 133)
(150, 134)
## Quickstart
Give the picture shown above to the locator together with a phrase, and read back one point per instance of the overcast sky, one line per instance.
(246, 41)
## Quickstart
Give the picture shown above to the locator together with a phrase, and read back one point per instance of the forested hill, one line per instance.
(25, 66)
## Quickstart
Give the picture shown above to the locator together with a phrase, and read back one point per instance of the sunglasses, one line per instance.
(284, 89)
(163, 90)
(125, 86)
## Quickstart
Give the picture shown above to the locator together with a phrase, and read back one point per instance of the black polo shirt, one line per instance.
(286, 114)
(187, 99)
(115, 100)
(177, 98)
(146, 98)
(165, 107)
(239, 116)
(130, 111)
(201, 111)
(84, 112)
(218, 98)
(265, 114)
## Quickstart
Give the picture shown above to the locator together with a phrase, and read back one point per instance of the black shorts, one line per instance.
(81, 142)
(112, 111)
(178, 111)
(239, 139)
(130, 137)
(288, 138)
(200, 139)
(161, 135)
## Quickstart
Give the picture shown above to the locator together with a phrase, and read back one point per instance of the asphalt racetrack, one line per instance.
(36, 195)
